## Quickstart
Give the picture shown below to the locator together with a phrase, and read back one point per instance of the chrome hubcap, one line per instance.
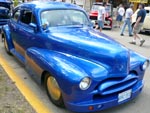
(53, 88)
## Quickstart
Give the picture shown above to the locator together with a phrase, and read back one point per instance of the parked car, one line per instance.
(146, 25)
(5, 10)
(81, 68)
(94, 14)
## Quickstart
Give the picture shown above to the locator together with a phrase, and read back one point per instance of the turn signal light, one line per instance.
(91, 108)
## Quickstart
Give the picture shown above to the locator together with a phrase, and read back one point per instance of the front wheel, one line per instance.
(53, 90)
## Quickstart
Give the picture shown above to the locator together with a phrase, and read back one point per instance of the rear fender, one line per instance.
(6, 34)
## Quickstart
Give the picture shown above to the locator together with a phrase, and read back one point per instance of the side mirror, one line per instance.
(45, 26)
(34, 26)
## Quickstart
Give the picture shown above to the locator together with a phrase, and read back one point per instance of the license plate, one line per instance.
(124, 95)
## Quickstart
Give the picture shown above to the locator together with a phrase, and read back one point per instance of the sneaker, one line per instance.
(122, 34)
(132, 43)
(141, 42)
(130, 35)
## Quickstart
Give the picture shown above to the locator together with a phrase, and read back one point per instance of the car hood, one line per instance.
(92, 45)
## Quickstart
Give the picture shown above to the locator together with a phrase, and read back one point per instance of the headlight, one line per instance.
(145, 65)
(85, 83)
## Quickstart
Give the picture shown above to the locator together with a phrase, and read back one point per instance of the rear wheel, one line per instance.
(53, 90)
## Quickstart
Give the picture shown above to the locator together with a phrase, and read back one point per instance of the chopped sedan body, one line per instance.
(81, 68)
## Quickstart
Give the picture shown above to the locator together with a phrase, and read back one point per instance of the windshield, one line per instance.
(53, 18)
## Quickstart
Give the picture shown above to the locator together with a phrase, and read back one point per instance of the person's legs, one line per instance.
(120, 20)
(135, 31)
(96, 26)
(135, 36)
(117, 23)
(123, 27)
(129, 27)
(101, 25)
(141, 39)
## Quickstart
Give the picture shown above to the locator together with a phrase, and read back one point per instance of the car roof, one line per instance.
(50, 5)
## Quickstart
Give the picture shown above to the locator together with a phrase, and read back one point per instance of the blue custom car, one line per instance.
(5, 10)
(81, 68)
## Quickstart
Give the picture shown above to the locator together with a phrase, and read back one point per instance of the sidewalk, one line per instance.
(11, 100)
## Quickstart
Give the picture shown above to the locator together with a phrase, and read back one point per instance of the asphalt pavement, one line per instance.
(138, 105)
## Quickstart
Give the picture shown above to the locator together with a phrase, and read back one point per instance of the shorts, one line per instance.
(138, 28)
(119, 18)
(100, 24)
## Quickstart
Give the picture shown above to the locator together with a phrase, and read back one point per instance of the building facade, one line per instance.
(87, 4)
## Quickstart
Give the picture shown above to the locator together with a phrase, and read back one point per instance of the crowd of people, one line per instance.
(127, 15)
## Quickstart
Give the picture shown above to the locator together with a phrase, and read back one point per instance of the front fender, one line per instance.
(136, 62)
(7, 34)
(58, 65)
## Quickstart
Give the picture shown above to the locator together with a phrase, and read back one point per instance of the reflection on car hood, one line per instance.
(92, 45)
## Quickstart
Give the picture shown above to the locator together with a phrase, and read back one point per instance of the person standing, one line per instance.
(120, 14)
(139, 23)
(127, 21)
(101, 16)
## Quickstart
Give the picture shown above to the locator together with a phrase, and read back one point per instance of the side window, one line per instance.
(16, 15)
(26, 17)
(33, 19)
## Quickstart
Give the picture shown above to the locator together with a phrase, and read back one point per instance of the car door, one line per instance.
(13, 25)
(146, 24)
(24, 35)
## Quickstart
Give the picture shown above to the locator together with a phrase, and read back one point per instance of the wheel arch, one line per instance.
(43, 75)
(7, 34)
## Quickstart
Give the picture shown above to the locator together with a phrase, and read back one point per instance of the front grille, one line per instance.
(111, 86)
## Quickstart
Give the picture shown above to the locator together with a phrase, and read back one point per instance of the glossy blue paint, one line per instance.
(71, 53)
(6, 32)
